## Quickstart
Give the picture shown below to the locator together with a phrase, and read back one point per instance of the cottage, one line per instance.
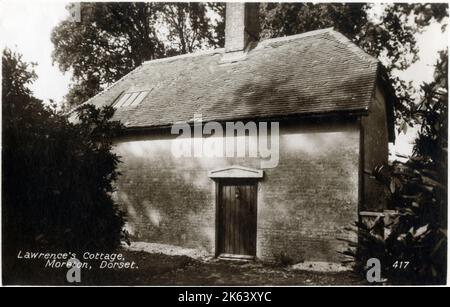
(333, 109)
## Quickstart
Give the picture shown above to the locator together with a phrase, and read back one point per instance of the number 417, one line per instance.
(400, 264)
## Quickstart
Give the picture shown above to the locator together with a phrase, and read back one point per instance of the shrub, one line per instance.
(417, 235)
(57, 175)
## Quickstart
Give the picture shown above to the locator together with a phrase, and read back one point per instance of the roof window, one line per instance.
(130, 99)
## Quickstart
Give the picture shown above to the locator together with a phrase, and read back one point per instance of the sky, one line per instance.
(430, 43)
(25, 26)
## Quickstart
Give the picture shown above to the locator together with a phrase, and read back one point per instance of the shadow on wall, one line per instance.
(163, 203)
(314, 198)
(168, 200)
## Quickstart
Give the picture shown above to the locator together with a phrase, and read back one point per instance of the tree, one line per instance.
(108, 42)
(17, 76)
(432, 116)
(189, 27)
(112, 39)
(56, 176)
(431, 144)
(389, 37)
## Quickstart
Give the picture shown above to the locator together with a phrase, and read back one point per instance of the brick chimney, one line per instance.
(241, 26)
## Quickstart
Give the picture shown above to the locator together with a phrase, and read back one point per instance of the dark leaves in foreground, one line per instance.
(57, 175)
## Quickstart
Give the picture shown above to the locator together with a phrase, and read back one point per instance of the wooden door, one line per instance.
(237, 218)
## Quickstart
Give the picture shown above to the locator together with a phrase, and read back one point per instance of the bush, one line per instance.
(417, 235)
(57, 175)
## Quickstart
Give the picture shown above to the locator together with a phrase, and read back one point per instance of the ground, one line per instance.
(162, 269)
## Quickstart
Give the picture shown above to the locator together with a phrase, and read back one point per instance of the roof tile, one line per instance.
(315, 72)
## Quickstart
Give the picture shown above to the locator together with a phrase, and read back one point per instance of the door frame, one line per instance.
(234, 173)
(219, 186)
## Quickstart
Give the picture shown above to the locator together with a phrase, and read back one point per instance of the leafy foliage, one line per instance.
(113, 38)
(432, 115)
(57, 176)
(189, 27)
(389, 37)
(418, 194)
(416, 233)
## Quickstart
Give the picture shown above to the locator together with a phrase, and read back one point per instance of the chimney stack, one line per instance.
(241, 26)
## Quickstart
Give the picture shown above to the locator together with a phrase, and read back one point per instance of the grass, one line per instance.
(160, 269)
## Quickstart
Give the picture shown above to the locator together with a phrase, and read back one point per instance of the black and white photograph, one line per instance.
(224, 144)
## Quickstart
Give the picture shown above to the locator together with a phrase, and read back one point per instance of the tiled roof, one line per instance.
(315, 72)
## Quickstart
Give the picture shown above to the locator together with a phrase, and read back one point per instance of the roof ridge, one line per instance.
(186, 55)
(221, 50)
(294, 37)
(341, 38)
(330, 30)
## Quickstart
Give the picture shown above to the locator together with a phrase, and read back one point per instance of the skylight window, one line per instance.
(130, 99)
